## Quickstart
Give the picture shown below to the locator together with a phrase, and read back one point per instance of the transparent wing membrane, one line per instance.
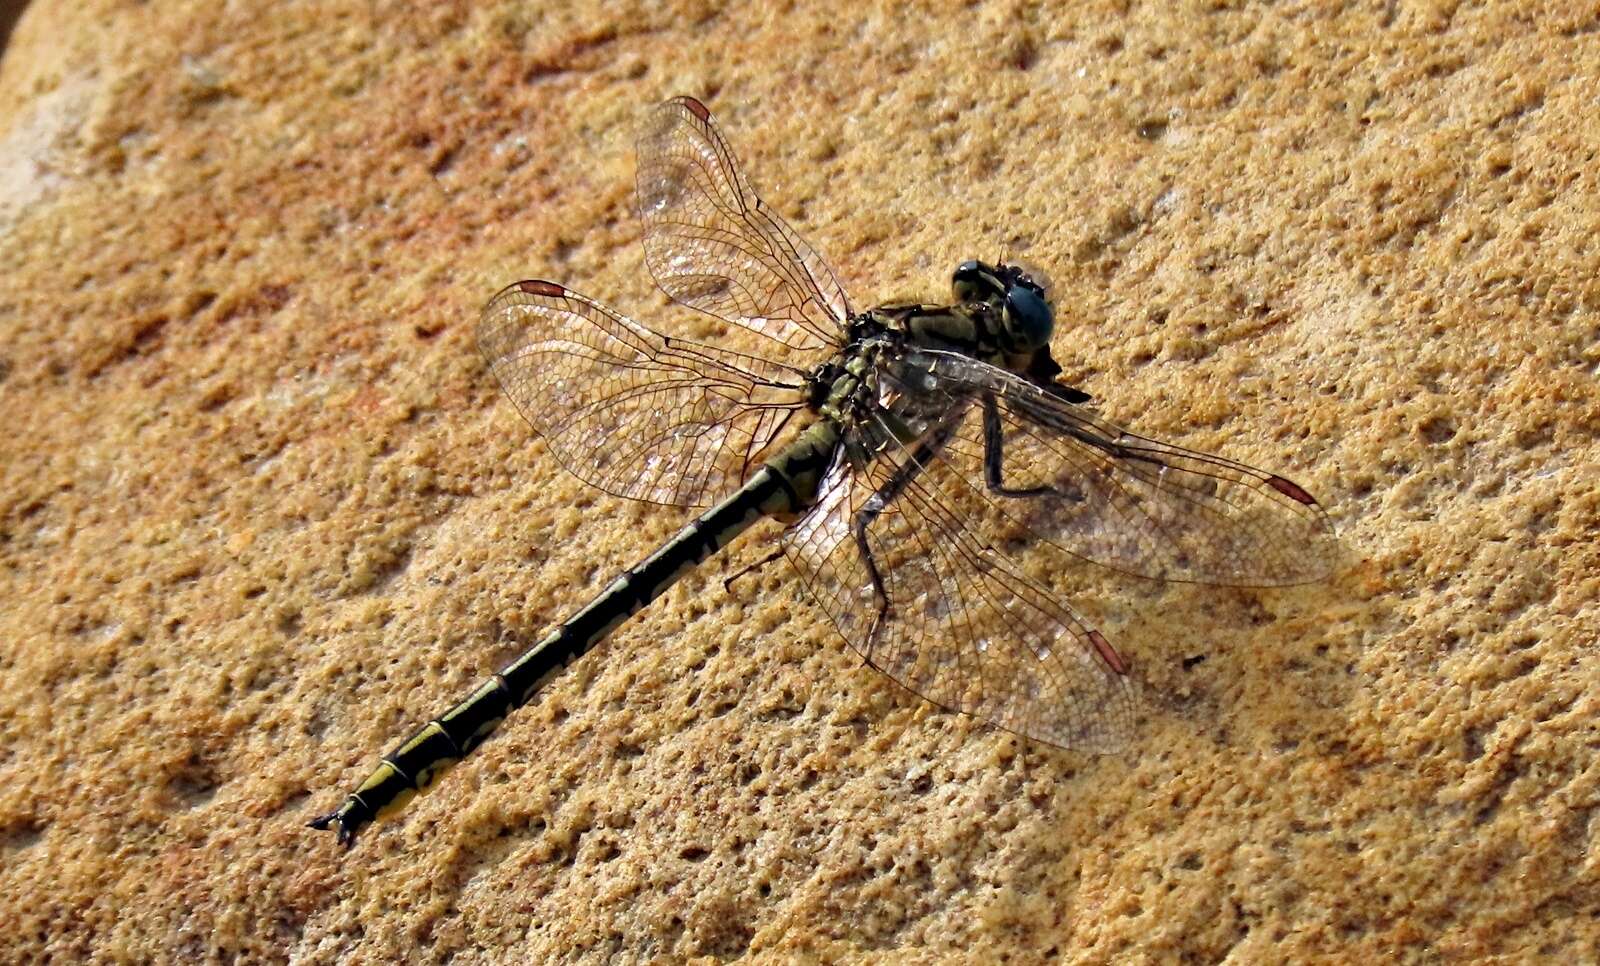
(890, 554)
(1132, 504)
(624, 408)
(714, 246)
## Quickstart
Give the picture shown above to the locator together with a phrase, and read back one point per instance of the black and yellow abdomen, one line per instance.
(784, 487)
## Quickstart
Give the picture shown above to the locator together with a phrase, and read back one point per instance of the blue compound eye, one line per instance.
(1029, 320)
(975, 281)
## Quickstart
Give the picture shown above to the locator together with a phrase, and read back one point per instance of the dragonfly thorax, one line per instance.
(846, 386)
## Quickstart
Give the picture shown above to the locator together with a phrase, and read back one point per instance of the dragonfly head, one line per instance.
(1025, 316)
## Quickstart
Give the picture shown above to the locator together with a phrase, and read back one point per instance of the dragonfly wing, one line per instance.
(1129, 503)
(714, 246)
(947, 615)
(625, 408)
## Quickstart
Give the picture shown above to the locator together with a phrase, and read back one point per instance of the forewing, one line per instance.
(957, 622)
(1130, 503)
(714, 246)
(624, 408)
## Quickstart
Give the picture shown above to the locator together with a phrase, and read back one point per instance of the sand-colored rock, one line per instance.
(262, 511)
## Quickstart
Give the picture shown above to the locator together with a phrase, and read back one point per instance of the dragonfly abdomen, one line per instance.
(778, 488)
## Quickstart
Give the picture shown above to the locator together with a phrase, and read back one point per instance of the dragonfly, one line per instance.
(917, 455)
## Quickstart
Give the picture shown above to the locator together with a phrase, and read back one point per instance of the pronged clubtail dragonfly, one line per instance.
(938, 441)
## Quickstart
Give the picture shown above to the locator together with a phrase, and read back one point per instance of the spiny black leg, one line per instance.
(858, 529)
(994, 454)
(920, 459)
(727, 583)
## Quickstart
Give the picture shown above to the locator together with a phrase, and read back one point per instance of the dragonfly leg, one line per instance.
(920, 459)
(994, 455)
(858, 528)
(727, 582)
